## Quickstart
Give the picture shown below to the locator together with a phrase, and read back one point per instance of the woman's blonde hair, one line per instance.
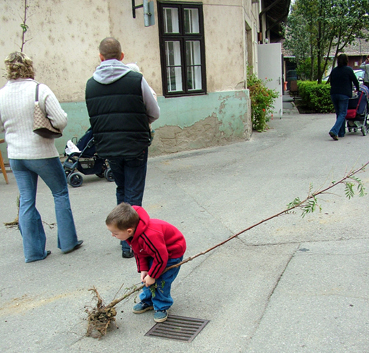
(19, 65)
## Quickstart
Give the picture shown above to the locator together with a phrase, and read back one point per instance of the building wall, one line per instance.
(63, 38)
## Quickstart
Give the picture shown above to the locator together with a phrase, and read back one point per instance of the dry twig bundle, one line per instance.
(101, 316)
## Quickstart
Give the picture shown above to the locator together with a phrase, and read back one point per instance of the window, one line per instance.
(182, 48)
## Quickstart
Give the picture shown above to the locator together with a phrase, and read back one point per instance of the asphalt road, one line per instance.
(288, 285)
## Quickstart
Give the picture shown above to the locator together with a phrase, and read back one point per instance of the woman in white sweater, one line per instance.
(31, 155)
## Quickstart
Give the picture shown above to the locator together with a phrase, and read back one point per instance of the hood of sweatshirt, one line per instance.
(110, 71)
(144, 220)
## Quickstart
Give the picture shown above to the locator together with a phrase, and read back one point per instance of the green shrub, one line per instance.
(316, 97)
(262, 99)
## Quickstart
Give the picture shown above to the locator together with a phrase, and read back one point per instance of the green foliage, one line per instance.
(155, 287)
(304, 69)
(316, 28)
(310, 204)
(262, 99)
(316, 97)
(349, 187)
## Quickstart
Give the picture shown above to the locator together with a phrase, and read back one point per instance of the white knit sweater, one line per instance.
(17, 101)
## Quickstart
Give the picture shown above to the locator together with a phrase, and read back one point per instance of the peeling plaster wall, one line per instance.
(203, 121)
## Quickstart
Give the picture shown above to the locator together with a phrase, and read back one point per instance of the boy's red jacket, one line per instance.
(155, 239)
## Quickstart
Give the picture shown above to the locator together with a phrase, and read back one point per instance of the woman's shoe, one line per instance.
(77, 246)
(333, 135)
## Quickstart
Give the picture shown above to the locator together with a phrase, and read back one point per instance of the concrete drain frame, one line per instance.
(178, 328)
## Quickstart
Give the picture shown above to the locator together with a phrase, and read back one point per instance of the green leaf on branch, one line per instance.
(294, 203)
(310, 206)
(24, 27)
(349, 190)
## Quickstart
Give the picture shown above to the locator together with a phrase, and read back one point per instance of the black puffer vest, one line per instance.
(118, 116)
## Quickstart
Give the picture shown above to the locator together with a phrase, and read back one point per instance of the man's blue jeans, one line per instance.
(129, 175)
(162, 299)
(340, 103)
(26, 172)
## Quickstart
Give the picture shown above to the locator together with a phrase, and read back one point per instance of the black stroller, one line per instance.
(85, 161)
(357, 112)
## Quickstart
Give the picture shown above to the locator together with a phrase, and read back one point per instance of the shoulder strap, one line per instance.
(36, 95)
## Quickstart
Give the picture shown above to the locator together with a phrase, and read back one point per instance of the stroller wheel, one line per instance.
(109, 175)
(75, 179)
(67, 172)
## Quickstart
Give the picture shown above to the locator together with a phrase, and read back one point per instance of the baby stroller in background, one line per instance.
(83, 157)
(357, 112)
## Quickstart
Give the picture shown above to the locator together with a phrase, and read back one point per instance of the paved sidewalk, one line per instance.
(290, 285)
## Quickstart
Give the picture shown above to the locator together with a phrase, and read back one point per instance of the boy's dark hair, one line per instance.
(123, 216)
(110, 48)
(342, 60)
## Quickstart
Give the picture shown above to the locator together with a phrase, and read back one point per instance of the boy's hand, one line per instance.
(148, 281)
(143, 275)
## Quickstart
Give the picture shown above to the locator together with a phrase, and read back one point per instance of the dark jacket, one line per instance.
(341, 79)
(118, 116)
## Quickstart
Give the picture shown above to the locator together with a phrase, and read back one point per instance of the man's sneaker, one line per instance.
(141, 308)
(160, 315)
(127, 254)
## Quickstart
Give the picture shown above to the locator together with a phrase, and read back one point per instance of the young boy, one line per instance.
(156, 245)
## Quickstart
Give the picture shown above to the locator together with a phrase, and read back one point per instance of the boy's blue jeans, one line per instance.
(340, 103)
(129, 176)
(26, 172)
(162, 299)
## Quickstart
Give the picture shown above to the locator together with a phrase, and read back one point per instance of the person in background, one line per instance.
(121, 107)
(341, 79)
(32, 156)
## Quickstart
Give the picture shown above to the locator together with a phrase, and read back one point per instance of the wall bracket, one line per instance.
(148, 8)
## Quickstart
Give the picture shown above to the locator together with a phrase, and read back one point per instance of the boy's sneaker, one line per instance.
(141, 308)
(160, 315)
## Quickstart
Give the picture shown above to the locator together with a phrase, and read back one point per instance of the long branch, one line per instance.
(287, 210)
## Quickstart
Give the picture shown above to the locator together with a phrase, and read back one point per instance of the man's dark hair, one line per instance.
(342, 60)
(110, 48)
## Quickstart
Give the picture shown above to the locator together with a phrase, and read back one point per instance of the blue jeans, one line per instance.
(129, 175)
(26, 172)
(162, 299)
(340, 103)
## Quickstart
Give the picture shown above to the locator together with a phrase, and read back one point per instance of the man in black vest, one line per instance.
(121, 107)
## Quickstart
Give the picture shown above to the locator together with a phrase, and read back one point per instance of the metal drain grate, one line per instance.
(178, 328)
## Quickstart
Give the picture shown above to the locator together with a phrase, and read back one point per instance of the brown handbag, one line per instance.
(41, 123)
